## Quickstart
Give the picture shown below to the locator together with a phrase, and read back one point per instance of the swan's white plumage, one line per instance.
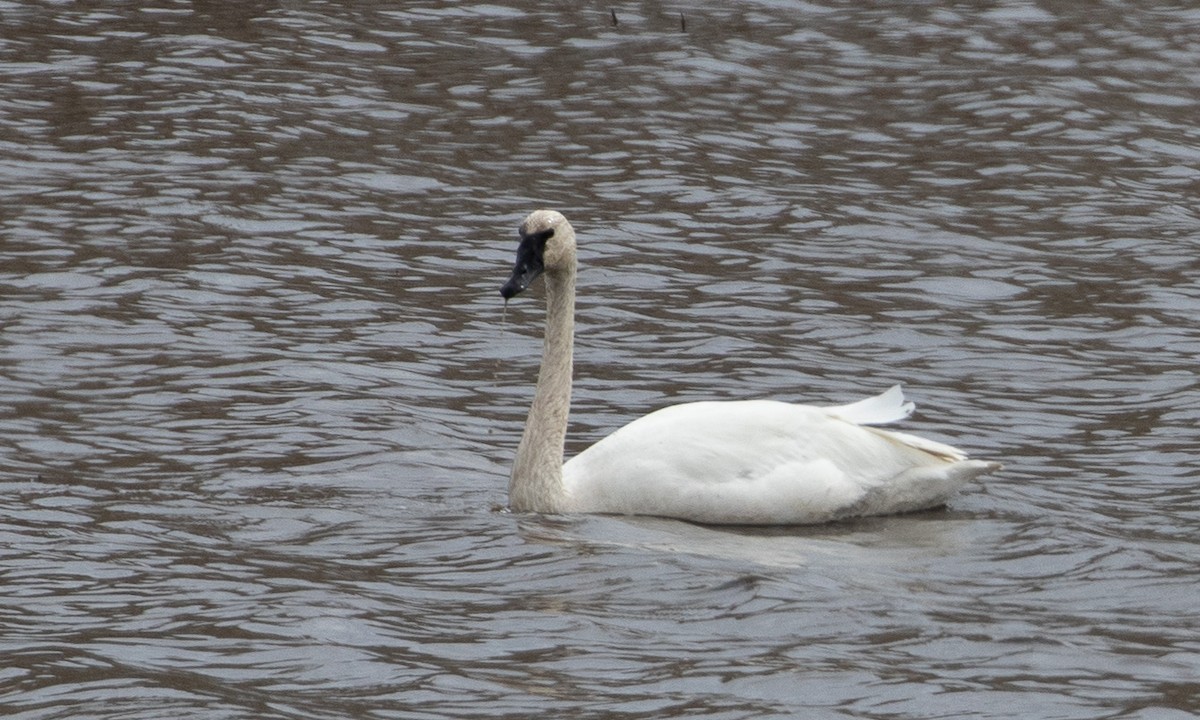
(762, 462)
(740, 462)
(886, 407)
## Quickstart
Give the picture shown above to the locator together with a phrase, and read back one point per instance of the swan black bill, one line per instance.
(529, 263)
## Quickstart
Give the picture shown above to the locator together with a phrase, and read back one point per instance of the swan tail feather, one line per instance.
(887, 407)
(890, 406)
(937, 449)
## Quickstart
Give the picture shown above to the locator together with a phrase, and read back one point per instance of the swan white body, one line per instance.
(751, 462)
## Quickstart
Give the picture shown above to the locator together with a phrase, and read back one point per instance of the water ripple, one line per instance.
(258, 393)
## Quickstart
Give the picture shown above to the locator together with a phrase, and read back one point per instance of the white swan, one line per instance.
(750, 462)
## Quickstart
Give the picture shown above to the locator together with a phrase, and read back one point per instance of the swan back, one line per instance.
(765, 462)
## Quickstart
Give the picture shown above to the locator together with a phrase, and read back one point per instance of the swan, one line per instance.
(742, 462)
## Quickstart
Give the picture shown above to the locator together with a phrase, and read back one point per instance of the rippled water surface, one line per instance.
(258, 392)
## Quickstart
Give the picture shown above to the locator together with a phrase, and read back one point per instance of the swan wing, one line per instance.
(765, 462)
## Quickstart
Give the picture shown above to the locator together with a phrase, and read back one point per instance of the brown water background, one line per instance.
(259, 394)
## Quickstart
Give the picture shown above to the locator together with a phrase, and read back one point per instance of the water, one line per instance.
(258, 392)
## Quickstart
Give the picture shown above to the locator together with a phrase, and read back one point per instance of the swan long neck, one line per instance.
(536, 484)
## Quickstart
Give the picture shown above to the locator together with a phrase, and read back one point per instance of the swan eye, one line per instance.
(539, 238)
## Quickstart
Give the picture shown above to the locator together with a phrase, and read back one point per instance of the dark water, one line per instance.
(258, 392)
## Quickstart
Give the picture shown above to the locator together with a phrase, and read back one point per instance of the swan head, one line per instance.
(547, 246)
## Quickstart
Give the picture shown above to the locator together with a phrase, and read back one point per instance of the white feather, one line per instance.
(765, 463)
